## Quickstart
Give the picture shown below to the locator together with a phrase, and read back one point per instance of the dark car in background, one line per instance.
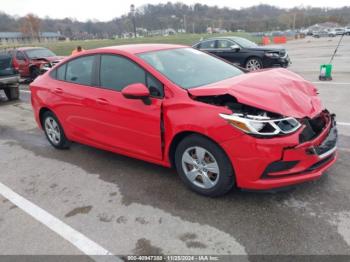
(32, 61)
(245, 53)
(9, 77)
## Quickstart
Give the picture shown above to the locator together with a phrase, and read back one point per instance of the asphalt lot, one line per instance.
(126, 206)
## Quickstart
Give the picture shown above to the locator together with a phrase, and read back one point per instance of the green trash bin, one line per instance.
(326, 72)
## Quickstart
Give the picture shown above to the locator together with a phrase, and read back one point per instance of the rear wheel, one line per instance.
(204, 166)
(54, 131)
(253, 64)
(12, 92)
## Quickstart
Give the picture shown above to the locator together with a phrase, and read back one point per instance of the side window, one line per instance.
(207, 44)
(155, 87)
(61, 72)
(20, 56)
(224, 44)
(116, 72)
(80, 70)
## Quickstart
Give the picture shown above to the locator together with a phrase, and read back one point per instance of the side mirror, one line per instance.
(137, 91)
(235, 47)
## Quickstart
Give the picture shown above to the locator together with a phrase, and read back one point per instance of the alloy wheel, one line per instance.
(253, 65)
(52, 130)
(200, 167)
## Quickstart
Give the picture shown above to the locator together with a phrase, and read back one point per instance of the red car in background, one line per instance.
(176, 106)
(32, 61)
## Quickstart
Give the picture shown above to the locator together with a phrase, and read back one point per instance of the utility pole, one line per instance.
(294, 18)
(132, 11)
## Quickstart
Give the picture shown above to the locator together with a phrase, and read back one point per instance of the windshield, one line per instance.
(190, 68)
(245, 43)
(39, 53)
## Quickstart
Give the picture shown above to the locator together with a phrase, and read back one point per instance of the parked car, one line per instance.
(245, 53)
(337, 31)
(9, 77)
(347, 30)
(32, 61)
(177, 106)
(323, 33)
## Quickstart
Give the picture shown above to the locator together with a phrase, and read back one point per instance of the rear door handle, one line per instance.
(102, 101)
(58, 90)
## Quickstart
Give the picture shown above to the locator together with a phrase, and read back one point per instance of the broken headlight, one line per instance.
(262, 124)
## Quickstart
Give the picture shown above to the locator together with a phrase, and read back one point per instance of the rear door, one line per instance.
(73, 97)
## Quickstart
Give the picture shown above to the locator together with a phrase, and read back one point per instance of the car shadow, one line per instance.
(241, 214)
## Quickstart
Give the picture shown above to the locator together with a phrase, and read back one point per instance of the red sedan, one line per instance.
(179, 107)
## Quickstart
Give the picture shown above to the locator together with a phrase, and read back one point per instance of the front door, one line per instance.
(123, 123)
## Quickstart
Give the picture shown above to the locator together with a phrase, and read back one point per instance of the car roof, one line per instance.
(141, 48)
(223, 37)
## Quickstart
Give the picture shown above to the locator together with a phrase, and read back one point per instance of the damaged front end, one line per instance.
(290, 149)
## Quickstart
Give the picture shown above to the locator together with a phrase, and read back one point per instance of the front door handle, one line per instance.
(102, 101)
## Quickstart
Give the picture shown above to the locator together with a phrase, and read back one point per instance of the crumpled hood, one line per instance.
(50, 59)
(276, 90)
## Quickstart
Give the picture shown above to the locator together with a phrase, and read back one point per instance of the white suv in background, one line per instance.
(337, 31)
(347, 30)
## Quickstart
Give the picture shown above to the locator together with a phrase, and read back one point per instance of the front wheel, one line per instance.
(253, 64)
(204, 166)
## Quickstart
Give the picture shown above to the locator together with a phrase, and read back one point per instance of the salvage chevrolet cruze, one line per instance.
(179, 107)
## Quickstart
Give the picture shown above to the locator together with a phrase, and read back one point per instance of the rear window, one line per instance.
(6, 65)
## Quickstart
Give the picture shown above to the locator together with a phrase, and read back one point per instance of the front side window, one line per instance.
(117, 72)
(224, 44)
(20, 56)
(80, 70)
(189, 68)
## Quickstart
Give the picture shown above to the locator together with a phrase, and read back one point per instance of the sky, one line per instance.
(106, 10)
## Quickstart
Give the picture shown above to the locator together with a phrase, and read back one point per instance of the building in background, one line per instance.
(8, 38)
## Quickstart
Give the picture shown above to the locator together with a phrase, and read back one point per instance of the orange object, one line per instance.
(75, 51)
(280, 39)
(265, 40)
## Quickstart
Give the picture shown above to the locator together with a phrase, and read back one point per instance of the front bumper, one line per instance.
(282, 161)
(278, 61)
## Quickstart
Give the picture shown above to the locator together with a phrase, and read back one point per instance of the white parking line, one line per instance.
(25, 91)
(331, 83)
(343, 124)
(84, 244)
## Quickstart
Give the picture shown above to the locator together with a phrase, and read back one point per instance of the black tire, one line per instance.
(34, 73)
(226, 178)
(63, 143)
(256, 60)
(12, 92)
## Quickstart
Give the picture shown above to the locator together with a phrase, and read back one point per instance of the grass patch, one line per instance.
(66, 47)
